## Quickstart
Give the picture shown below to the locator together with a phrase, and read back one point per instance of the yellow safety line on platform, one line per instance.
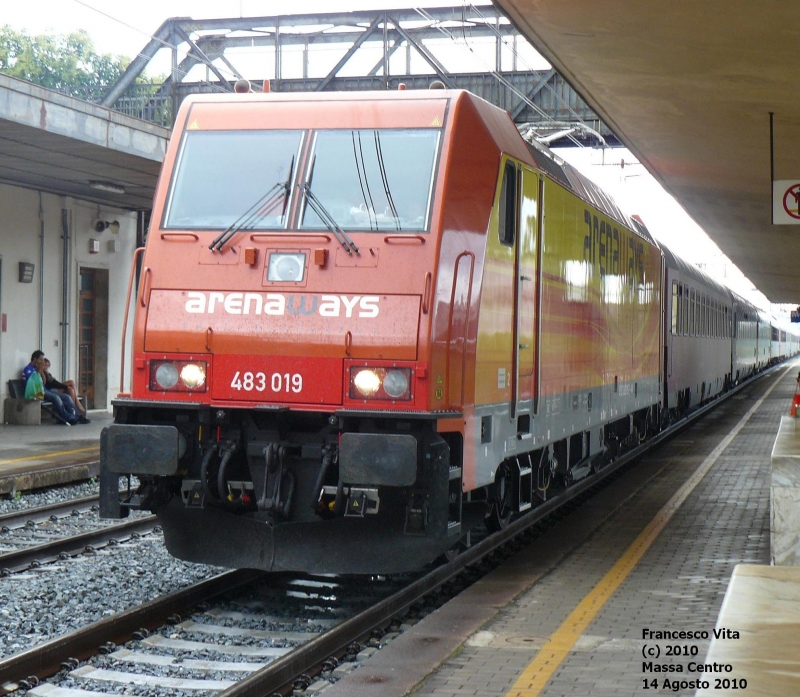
(535, 676)
(48, 455)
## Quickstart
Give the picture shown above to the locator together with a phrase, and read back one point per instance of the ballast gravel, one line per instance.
(48, 602)
(22, 502)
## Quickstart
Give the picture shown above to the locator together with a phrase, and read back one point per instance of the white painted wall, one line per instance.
(20, 241)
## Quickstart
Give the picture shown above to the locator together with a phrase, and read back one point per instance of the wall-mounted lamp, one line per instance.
(100, 225)
(111, 187)
(25, 272)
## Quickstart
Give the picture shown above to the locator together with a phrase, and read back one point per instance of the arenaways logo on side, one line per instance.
(279, 304)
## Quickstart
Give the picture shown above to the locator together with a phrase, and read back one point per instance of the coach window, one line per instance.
(697, 314)
(714, 318)
(675, 305)
(508, 205)
(685, 317)
(702, 299)
(692, 313)
(705, 315)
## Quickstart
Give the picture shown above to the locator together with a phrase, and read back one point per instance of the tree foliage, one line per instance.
(58, 61)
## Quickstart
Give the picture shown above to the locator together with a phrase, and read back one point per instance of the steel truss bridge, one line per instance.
(205, 53)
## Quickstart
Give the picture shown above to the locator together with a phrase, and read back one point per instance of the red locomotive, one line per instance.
(368, 322)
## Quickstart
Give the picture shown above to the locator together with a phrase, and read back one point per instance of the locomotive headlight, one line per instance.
(166, 376)
(287, 268)
(380, 383)
(367, 382)
(193, 375)
(178, 376)
(395, 383)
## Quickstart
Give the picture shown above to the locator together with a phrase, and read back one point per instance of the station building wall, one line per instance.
(29, 218)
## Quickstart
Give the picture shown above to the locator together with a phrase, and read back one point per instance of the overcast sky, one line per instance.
(125, 27)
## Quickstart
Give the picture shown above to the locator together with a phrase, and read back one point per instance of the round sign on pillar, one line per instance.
(791, 201)
(786, 202)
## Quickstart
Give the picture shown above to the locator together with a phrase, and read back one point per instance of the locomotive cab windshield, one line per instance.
(360, 180)
(220, 175)
(379, 180)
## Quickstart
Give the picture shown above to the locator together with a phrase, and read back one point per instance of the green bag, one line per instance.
(34, 389)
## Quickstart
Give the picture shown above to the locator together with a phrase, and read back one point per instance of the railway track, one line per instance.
(247, 651)
(240, 636)
(59, 531)
(192, 640)
(39, 514)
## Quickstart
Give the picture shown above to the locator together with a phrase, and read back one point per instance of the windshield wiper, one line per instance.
(258, 211)
(329, 220)
(385, 181)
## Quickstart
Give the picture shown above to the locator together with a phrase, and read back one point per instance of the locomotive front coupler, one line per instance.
(279, 483)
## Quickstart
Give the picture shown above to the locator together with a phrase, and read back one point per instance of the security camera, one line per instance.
(99, 225)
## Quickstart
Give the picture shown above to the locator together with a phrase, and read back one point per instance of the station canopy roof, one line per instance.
(55, 143)
(688, 87)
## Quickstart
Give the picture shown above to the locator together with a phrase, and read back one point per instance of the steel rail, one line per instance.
(75, 544)
(45, 659)
(41, 513)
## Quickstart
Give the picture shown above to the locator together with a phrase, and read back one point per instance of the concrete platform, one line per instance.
(50, 454)
(652, 552)
(785, 495)
(763, 606)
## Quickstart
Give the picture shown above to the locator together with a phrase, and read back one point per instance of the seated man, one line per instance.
(31, 367)
(68, 387)
(62, 404)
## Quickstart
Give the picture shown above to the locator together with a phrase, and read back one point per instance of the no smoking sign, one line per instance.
(786, 202)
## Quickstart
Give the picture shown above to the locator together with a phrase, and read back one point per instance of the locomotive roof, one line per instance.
(673, 261)
(584, 188)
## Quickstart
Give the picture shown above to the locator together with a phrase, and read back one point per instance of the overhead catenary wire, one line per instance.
(435, 24)
(519, 57)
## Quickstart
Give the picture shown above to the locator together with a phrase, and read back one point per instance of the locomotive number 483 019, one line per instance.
(277, 382)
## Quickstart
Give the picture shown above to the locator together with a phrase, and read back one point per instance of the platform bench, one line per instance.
(21, 411)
